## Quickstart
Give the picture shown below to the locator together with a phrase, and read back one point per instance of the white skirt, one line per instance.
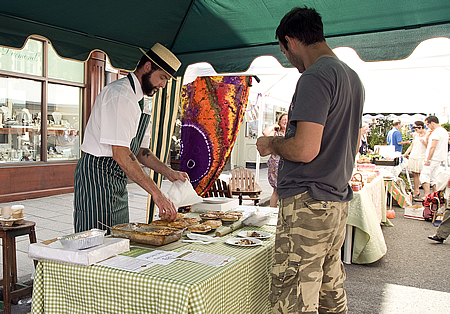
(415, 164)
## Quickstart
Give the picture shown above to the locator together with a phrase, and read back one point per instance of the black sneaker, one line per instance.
(436, 238)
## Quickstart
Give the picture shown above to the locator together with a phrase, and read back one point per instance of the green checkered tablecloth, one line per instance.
(240, 287)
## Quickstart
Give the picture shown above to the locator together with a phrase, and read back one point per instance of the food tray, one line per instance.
(82, 240)
(378, 162)
(141, 233)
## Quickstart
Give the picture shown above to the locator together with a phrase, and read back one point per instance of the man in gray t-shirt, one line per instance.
(321, 98)
(317, 158)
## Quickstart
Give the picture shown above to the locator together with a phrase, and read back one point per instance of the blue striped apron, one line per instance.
(100, 185)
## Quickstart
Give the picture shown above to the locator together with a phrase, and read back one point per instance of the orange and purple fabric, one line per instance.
(212, 110)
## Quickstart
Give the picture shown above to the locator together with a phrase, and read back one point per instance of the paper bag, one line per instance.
(183, 194)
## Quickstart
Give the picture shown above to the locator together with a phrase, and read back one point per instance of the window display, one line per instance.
(20, 114)
(25, 90)
(63, 118)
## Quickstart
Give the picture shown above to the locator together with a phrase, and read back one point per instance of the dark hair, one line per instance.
(419, 123)
(144, 60)
(430, 119)
(303, 23)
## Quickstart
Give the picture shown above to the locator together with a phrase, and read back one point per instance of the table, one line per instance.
(11, 289)
(364, 241)
(241, 286)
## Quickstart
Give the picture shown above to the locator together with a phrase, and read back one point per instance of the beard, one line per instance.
(147, 87)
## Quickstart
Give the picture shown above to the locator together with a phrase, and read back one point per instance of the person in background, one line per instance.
(317, 156)
(363, 146)
(443, 231)
(272, 164)
(395, 138)
(116, 141)
(416, 152)
(435, 155)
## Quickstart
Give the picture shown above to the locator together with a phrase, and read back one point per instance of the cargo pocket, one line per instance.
(284, 283)
(318, 205)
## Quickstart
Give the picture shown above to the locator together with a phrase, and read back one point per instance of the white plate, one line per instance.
(264, 235)
(233, 241)
(216, 200)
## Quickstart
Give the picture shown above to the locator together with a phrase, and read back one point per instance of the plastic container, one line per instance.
(83, 240)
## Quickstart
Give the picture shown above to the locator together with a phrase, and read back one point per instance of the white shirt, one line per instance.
(441, 150)
(114, 120)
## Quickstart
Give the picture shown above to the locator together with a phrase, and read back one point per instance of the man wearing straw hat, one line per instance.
(116, 140)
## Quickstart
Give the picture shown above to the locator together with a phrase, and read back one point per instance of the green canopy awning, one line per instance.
(229, 34)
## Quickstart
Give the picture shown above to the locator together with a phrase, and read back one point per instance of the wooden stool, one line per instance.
(12, 290)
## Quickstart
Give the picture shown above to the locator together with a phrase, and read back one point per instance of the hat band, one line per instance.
(160, 62)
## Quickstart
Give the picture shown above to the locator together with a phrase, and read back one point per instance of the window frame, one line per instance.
(45, 80)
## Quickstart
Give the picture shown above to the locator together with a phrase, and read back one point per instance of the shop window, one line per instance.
(20, 111)
(29, 101)
(63, 122)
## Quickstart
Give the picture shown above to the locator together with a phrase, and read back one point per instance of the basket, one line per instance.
(356, 182)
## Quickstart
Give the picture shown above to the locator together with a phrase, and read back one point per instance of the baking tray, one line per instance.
(82, 240)
(142, 233)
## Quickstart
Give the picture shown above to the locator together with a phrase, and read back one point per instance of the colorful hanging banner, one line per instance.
(212, 110)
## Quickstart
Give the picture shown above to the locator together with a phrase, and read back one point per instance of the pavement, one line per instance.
(413, 277)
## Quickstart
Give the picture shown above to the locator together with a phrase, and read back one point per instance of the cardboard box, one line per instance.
(53, 250)
(204, 207)
(414, 212)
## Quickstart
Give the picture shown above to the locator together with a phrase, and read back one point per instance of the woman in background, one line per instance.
(363, 146)
(416, 153)
(275, 130)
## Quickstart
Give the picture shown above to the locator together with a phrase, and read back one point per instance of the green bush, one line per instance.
(378, 132)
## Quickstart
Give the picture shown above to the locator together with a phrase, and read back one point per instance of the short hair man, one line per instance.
(116, 140)
(317, 158)
(395, 137)
(436, 154)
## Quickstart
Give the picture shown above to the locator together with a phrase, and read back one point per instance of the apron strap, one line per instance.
(141, 102)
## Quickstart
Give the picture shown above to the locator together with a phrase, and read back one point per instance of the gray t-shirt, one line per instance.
(331, 94)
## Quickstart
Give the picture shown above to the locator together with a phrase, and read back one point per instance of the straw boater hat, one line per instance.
(164, 58)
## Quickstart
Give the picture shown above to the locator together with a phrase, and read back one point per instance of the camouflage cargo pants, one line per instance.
(308, 274)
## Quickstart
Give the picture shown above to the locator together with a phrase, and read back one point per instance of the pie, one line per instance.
(214, 224)
(228, 217)
(215, 212)
(180, 215)
(179, 224)
(162, 231)
(209, 216)
(191, 221)
(199, 228)
(238, 214)
(160, 222)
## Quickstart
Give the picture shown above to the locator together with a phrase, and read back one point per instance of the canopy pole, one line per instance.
(261, 107)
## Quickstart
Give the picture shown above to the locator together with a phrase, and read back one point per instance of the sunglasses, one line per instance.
(417, 127)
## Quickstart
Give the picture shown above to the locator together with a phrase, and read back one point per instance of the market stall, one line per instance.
(239, 283)
(364, 242)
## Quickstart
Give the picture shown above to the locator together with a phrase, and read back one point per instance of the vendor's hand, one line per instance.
(178, 175)
(167, 210)
(263, 145)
